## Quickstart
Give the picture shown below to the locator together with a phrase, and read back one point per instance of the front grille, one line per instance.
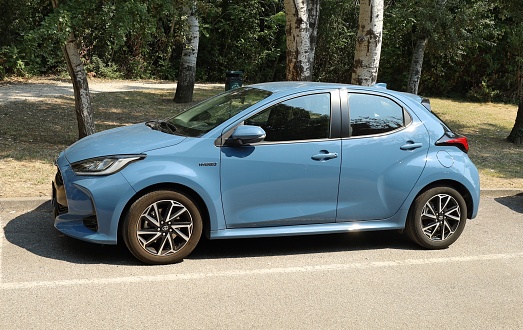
(61, 209)
(91, 222)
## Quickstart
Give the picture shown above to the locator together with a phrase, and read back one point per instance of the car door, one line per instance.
(292, 176)
(383, 157)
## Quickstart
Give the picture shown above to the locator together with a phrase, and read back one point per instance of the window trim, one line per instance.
(334, 123)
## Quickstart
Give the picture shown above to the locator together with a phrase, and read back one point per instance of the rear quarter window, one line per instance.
(373, 114)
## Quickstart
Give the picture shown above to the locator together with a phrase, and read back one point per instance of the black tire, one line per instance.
(437, 218)
(162, 227)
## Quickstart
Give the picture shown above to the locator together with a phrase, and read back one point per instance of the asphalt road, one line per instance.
(350, 281)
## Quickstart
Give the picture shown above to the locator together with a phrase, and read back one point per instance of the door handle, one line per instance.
(325, 155)
(411, 145)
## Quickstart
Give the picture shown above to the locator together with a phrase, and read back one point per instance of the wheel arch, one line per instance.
(202, 206)
(459, 187)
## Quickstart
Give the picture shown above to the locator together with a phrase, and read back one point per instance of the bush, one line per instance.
(11, 62)
(102, 70)
(482, 93)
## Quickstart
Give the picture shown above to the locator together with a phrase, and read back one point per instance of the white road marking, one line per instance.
(261, 271)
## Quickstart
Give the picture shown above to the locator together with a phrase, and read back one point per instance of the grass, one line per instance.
(486, 126)
(32, 133)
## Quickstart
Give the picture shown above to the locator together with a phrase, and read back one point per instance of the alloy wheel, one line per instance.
(440, 217)
(164, 227)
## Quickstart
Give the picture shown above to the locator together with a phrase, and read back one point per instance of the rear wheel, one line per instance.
(437, 218)
(162, 227)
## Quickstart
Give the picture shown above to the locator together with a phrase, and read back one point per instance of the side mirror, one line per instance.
(246, 134)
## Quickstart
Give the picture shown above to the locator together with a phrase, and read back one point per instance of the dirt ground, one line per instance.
(38, 89)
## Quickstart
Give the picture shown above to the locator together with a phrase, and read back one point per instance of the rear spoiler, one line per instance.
(424, 101)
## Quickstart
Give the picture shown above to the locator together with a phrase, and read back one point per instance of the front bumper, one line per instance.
(89, 207)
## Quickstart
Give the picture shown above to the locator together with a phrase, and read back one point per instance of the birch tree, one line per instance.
(302, 33)
(82, 98)
(429, 17)
(368, 43)
(443, 25)
(187, 73)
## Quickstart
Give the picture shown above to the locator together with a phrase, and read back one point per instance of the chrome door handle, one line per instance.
(411, 146)
(325, 155)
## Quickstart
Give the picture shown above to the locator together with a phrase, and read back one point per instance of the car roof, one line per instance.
(297, 86)
(291, 87)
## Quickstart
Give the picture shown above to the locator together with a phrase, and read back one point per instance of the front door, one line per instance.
(292, 177)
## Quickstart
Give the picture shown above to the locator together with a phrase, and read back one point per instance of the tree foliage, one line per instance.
(473, 48)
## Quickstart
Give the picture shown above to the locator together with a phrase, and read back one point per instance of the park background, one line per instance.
(471, 67)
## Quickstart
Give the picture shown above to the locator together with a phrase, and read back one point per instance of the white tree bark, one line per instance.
(301, 30)
(416, 65)
(187, 74)
(368, 43)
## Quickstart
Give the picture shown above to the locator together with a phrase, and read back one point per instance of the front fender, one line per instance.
(203, 180)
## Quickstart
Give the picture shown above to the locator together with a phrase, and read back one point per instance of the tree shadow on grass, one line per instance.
(490, 151)
(38, 130)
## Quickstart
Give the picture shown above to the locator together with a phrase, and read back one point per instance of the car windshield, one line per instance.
(210, 113)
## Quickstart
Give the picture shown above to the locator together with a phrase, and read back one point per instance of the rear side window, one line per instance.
(372, 114)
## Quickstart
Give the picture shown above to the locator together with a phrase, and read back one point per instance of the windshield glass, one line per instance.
(205, 116)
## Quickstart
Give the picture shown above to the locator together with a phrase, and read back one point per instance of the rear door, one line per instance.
(383, 157)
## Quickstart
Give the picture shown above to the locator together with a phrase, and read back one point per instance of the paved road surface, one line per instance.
(352, 281)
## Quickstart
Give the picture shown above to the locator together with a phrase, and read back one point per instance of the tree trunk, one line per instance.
(416, 65)
(516, 135)
(82, 97)
(301, 31)
(187, 74)
(368, 43)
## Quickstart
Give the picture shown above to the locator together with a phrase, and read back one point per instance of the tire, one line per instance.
(437, 218)
(162, 227)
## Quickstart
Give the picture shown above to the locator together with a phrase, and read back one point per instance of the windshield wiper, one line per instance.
(162, 126)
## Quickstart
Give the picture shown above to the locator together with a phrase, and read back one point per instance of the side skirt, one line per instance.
(329, 228)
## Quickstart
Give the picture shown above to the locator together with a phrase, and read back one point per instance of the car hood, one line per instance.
(125, 140)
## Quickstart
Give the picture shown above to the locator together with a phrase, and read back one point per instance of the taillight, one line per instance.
(455, 140)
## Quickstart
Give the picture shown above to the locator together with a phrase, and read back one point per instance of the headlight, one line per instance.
(104, 165)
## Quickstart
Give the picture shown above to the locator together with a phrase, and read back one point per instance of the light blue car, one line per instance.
(271, 159)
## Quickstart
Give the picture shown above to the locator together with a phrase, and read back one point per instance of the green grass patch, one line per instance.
(487, 126)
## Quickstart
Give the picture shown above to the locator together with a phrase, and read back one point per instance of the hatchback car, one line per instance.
(271, 159)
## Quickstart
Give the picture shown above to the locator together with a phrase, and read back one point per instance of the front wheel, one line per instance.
(162, 227)
(437, 218)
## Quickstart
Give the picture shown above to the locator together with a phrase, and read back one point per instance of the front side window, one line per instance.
(372, 114)
(302, 118)
(205, 116)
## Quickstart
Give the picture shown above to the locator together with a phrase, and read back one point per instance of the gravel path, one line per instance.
(36, 90)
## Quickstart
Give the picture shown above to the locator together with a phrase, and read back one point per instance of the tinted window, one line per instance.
(302, 118)
(210, 113)
(371, 114)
